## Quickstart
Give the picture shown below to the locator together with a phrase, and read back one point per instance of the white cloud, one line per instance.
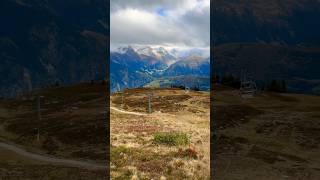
(160, 22)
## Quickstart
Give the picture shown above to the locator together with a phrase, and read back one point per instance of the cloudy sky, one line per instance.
(171, 23)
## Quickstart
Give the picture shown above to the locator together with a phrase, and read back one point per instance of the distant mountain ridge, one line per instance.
(44, 43)
(288, 22)
(298, 66)
(136, 66)
(274, 39)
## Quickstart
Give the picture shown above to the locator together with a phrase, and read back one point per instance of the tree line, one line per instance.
(235, 82)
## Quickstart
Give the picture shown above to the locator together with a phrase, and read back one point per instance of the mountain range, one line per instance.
(286, 22)
(46, 42)
(66, 41)
(137, 66)
(271, 40)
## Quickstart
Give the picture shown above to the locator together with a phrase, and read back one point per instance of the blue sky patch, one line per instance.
(161, 11)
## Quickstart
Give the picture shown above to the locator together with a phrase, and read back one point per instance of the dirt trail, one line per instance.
(133, 134)
(128, 112)
(52, 160)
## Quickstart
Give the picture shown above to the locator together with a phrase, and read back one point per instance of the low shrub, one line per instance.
(118, 155)
(188, 153)
(171, 138)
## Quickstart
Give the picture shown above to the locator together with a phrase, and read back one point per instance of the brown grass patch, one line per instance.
(233, 115)
(272, 156)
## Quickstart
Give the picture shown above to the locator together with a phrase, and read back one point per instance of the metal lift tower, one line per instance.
(248, 87)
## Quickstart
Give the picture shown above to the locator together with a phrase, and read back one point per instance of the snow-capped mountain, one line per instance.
(146, 51)
(135, 66)
(194, 52)
(151, 54)
(191, 65)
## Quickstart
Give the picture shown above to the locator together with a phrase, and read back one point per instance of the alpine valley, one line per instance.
(138, 66)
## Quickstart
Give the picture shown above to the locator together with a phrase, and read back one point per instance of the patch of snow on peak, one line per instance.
(123, 50)
(147, 51)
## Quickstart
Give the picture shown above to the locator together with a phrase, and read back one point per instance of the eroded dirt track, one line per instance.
(52, 160)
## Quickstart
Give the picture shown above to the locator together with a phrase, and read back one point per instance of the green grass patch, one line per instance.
(171, 138)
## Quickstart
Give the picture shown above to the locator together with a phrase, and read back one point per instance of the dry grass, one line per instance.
(271, 136)
(173, 141)
(72, 124)
(15, 167)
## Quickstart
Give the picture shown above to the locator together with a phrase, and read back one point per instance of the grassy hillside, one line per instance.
(72, 126)
(14, 167)
(187, 81)
(271, 136)
(172, 142)
(73, 121)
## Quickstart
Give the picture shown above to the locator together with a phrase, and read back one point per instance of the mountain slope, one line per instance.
(265, 62)
(271, 136)
(136, 67)
(44, 42)
(126, 70)
(276, 39)
(72, 127)
(134, 132)
(192, 65)
(282, 21)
